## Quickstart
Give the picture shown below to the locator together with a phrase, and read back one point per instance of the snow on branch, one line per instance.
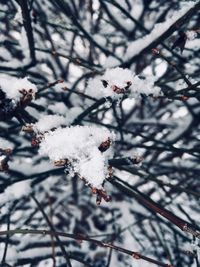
(15, 191)
(48, 122)
(51, 122)
(82, 149)
(14, 88)
(116, 82)
(137, 46)
(15, 94)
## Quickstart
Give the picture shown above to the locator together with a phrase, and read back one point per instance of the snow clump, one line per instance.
(13, 86)
(118, 81)
(81, 147)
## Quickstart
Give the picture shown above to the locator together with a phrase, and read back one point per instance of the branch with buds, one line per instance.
(10, 108)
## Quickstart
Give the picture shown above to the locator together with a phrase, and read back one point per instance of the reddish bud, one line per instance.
(61, 162)
(94, 190)
(35, 142)
(110, 171)
(117, 89)
(77, 61)
(105, 145)
(184, 98)
(155, 51)
(136, 255)
(8, 151)
(28, 128)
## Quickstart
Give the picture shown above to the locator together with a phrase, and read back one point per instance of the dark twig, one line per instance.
(81, 237)
(65, 254)
(28, 27)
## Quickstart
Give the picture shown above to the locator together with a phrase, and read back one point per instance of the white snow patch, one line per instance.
(2, 158)
(79, 144)
(18, 16)
(58, 107)
(4, 144)
(23, 41)
(191, 35)
(12, 86)
(15, 191)
(48, 122)
(73, 113)
(111, 62)
(193, 44)
(120, 78)
(138, 45)
(11, 256)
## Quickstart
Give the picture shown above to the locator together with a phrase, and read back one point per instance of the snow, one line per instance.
(100, 39)
(159, 69)
(137, 9)
(18, 16)
(72, 114)
(18, 190)
(138, 45)
(125, 23)
(144, 86)
(193, 44)
(58, 107)
(111, 61)
(2, 158)
(23, 41)
(11, 255)
(15, 191)
(12, 86)
(183, 121)
(193, 247)
(61, 86)
(4, 144)
(48, 122)
(79, 145)
(93, 168)
(191, 35)
(165, 124)
(117, 81)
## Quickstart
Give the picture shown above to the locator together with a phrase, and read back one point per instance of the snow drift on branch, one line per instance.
(117, 81)
(15, 191)
(80, 147)
(138, 45)
(48, 122)
(13, 86)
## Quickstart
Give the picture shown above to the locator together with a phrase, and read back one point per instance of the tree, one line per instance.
(99, 133)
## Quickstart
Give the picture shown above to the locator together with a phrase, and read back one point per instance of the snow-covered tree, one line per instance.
(99, 133)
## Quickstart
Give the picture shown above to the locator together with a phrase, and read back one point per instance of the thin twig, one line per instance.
(65, 254)
(81, 237)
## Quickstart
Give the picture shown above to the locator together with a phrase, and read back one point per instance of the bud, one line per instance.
(61, 162)
(105, 145)
(136, 255)
(155, 51)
